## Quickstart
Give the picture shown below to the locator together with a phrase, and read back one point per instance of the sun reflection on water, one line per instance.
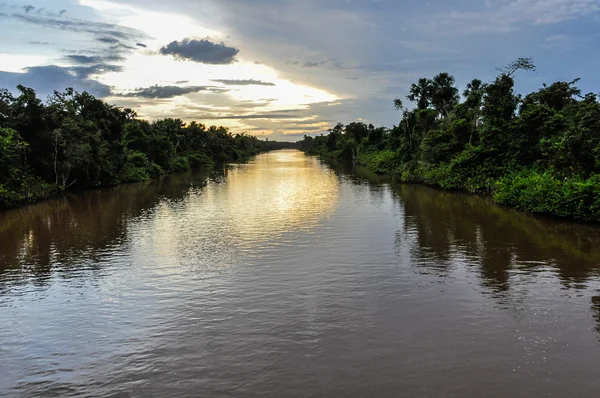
(276, 193)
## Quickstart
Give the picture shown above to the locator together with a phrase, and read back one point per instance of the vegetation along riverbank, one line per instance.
(75, 141)
(538, 152)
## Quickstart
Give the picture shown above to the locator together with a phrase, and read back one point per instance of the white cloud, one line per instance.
(502, 16)
(17, 62)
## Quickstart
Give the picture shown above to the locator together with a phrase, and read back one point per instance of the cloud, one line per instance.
(563, 42)
(253, 116)
(250, 104)
(84, 59)
(248, 82)
(80, 26)
(107, 40)
(46, 79)
(113, 51)
(93, 59)
(310, 64)
(290, 128)
(98, 69)
(141, 45)
(371, 55)
(28, 8)
(510, 16)
(201, 51)
(313, 119)
(162, 92)
(307, 64)
(331, 63)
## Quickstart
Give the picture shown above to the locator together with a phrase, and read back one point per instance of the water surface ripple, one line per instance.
(288, 277)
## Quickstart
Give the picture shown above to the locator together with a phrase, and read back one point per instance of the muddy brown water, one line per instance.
(290, 277)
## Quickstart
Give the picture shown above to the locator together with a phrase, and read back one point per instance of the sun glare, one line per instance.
(147, 68)
(16, 63)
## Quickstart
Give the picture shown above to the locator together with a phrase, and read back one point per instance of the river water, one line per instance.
(289, 277)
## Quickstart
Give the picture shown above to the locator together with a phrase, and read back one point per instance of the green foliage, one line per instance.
(12, 149)
(544, 193)
(200, 159)
(9, 197)
(136, 168)
(77, 141)
(381, 162)
(539, 152)
(155, 170)
(180, 163)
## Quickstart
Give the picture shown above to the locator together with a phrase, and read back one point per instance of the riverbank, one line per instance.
(74, 141)
(528, 190)
(44, 192)
(538, 152)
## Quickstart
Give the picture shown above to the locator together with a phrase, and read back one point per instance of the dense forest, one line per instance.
(74, 140)
(538, 152)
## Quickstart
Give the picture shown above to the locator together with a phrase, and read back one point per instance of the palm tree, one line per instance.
(443, 93)
(421, 93)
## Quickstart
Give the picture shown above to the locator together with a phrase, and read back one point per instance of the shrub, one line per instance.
(544, 193)
(180, 163)
(382, 162)
(200, 159)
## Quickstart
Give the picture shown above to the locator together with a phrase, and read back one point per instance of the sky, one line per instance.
(280, 69)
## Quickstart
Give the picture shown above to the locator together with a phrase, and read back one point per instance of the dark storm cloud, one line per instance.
(161, 92)
(141, 45)
(201, 51)
(46, 79)
(248, 82)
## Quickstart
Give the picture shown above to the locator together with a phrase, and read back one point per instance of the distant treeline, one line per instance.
(77, 141)
(539, 152)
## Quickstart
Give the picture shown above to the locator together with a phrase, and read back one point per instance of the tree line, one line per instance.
(539, 152)
(74, 140)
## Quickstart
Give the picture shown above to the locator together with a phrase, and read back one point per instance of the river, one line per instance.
(288, 277)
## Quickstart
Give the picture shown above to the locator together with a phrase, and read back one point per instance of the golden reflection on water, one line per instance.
(187, 217)
(280, 192)
(276, 193)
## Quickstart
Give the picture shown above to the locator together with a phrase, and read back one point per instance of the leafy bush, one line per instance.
(135, 174)
(74, 140)
(543, 193)
(180, 164)
(382, 162)
(539, 152)
(9, 198)
(155, 170)
(200, 159)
